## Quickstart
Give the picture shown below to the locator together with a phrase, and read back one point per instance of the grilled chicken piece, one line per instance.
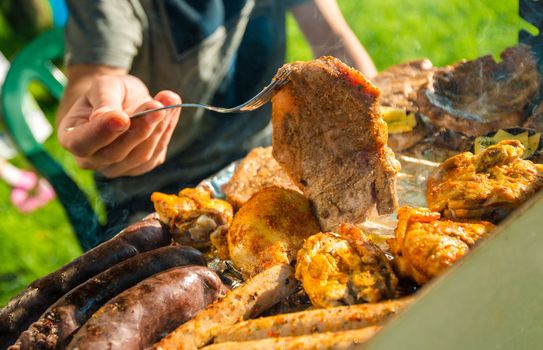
(270, 229)
(330, 138)
(193, 216)
(344, 340)
(426, 245)
(255, 172)
(335, 319)
(488, 185)
(480, 96)
(344, 268)
(249, 300)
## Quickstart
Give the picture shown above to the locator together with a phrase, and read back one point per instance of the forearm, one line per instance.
(80, 79)
(328, 33)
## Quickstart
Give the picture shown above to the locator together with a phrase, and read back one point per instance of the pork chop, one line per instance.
(256, 171)
(400, 83)
(480, 96)
(331, 140)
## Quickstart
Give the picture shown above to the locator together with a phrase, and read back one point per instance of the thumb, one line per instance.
(107, 94)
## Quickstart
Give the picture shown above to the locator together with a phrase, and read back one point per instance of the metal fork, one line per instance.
(254, 103)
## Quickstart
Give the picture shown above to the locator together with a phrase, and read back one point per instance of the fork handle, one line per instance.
(191, 105)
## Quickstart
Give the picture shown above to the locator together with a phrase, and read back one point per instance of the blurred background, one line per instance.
(393, 31)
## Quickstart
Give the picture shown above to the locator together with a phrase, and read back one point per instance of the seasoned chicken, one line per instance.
(344, 268)
(487, 185)
(256, 171)
(329, 136)
(269, 229)
(426, 245)
(193, 216)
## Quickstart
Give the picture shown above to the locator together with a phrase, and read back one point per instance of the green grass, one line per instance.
(395, 31)
(392, 31)
(35, 244)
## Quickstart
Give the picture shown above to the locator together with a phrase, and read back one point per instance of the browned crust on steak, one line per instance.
(480, 96)
(330, 138)
(400, 83)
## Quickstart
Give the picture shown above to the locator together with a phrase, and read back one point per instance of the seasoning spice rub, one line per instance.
(330, 138)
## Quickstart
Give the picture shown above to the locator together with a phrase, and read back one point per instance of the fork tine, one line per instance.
(266, 94)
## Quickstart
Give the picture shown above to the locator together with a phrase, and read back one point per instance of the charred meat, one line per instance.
(329, 136)
(400, 84)
(480, 96)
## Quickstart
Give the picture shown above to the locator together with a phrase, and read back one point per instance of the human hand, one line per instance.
(98, 131)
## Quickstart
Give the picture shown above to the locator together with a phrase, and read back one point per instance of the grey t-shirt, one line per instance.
(210, 51)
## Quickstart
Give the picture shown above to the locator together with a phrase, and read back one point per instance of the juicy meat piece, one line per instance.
(256, 171)
(425, 245)
(32, 302)
(487, 185)
(330, 138)
(535, 121)
(480, 96)
(58, 324)
(141, 315)
(344, 268)
(270, 229)
(334, 319)
(344, 340)
(400, 84)
(249, 300)
(193, 216)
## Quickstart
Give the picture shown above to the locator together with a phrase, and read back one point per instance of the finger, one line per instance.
(159, 149)
(142, 127)
(140, 130)
(106, 94)
(168, 98)
(144, 153)
(87, 138)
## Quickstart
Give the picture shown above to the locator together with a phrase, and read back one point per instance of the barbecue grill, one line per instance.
(490, 299)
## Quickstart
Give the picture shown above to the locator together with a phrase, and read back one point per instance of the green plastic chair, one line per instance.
(34, 63)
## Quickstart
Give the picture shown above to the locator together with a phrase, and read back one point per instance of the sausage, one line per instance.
(141, 315)
(339, 318)
(249, 300)
(344, 340)
(62, 319)
(28, 305)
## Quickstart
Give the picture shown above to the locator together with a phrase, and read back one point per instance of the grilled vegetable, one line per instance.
(58, 323)
(26, 307)
(143, 314)
(398, 120)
